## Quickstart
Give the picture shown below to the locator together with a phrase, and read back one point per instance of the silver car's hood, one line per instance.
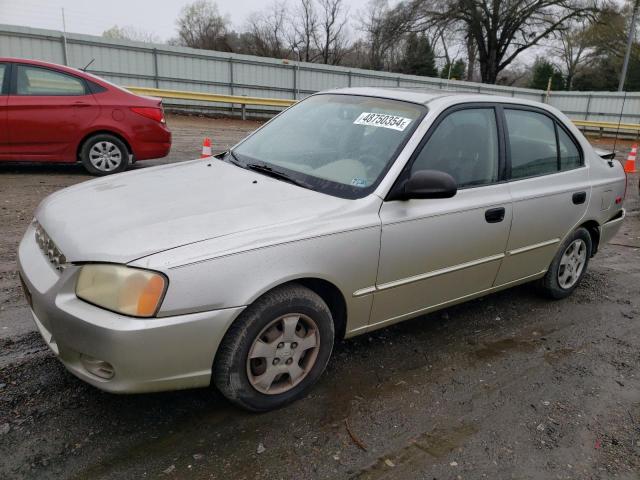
(135, 214)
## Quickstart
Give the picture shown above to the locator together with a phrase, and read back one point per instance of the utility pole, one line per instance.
(627, 54)
(65, 53)
(548, 92)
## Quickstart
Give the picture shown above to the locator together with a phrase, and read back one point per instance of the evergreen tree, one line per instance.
(418, 57)
(542, 71)
(457, 70)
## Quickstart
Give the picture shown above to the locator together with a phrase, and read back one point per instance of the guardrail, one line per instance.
(609, 126)
(280, 102)
(213, 97)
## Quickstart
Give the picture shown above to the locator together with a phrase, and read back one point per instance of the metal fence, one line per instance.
(180, 68)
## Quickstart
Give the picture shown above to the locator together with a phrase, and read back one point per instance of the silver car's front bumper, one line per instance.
(147, 355)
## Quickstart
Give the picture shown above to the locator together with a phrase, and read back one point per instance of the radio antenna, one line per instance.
(615, 141)
(84, 69)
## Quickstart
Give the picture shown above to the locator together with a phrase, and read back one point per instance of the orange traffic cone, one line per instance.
(630, 164)
(206, 148)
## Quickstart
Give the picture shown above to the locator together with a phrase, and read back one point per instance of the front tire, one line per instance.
(276, 350)
(568, 266)
(104, 154)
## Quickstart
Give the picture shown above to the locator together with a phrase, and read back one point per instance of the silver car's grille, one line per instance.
(55, 256)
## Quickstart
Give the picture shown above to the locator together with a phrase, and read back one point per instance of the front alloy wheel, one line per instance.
(276, 349)
(283, 354)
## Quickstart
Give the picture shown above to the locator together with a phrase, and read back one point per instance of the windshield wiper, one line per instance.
(235, 159)
(267, 170)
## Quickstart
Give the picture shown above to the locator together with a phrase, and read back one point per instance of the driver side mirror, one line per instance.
(426, 184)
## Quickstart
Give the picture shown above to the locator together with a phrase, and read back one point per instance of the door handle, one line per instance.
(579, 197)
(494, 215)
(80, 104)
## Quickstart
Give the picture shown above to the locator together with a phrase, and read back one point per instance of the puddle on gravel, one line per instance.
(498, 348)
(556, 356)
(430, 446)
(439, 443)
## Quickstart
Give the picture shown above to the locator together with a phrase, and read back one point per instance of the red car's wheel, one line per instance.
(104, 154)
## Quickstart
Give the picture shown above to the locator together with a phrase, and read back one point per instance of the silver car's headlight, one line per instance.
(126, 290)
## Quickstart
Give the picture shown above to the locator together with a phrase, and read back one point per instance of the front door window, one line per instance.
(464, 145)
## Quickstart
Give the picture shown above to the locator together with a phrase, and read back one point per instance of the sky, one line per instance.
(95, 16)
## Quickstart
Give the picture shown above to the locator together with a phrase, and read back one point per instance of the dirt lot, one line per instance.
(509, 386)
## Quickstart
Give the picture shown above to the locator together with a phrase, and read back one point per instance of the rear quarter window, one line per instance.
(569, 154)
(3, 72)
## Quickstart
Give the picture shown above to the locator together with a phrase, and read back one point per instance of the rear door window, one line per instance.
(464, 145)
(36, 81)
(532, 142)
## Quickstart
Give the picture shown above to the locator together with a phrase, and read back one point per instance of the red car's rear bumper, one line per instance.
(154, 142)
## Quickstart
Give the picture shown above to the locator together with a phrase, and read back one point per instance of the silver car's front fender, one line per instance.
(218, 274)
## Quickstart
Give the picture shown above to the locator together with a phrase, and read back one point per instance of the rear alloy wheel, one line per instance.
(568, 266)
(104, 154)
(572, 263)
(276, 350)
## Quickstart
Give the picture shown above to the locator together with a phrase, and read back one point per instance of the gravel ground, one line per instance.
(509, 386)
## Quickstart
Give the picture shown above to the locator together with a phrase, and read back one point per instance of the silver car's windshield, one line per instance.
(337, 144)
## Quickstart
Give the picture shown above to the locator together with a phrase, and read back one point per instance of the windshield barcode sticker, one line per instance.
(382, 120)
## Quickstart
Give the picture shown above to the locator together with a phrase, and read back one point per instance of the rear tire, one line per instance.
(276, 350)
(568, 266)
(104, 154)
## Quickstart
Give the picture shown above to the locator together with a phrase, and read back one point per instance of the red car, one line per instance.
(51, 113)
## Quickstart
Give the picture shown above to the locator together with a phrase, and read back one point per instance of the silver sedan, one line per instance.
(350, 211)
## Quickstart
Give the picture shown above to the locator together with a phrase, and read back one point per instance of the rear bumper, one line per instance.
(149, 150)
(609, 229)
(152, 142)
(146, 355)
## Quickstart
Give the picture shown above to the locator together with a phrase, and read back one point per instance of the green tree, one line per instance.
(542, 72)
(458, 69)
(606, 38)
(129, 32)
(418, 57)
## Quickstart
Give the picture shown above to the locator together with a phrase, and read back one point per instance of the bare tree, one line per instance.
(200, 25)
(443, 36)
(129, 32)
(472, 56)
(330, 35)
(268, 32)
(573, 50)
(502, 29)
(515, 75)
(377, 36)
(383, 28)
(305, 28)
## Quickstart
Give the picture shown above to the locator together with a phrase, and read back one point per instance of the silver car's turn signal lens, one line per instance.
(130, 291)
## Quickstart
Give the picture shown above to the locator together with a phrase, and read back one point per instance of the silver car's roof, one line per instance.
(425, 96)
(407, 94)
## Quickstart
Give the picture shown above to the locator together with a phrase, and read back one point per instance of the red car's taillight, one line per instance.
(150, 112)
